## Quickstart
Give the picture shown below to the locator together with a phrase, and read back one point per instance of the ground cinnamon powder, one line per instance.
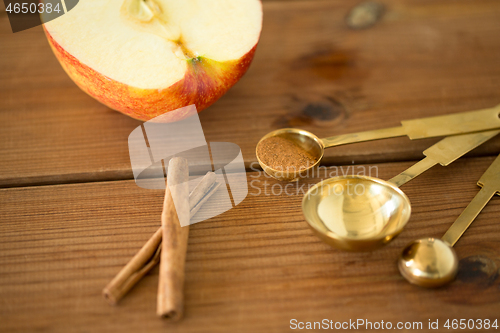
(284, 155)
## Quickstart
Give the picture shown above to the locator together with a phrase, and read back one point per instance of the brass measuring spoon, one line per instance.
(430, 262)
(459, 123)
(361, 213)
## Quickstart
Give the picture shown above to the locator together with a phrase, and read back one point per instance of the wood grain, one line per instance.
(311, 71)
(251, 269)
(257, 266)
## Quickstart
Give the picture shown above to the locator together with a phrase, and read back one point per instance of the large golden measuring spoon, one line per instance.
(459, 123)
(430, 262)
(361, 213)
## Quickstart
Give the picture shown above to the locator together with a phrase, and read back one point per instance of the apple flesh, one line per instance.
(147, 57)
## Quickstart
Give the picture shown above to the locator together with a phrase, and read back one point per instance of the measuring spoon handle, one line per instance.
(445, 152)
(458, 123)
(344, 139)
(413, 171)
(490, 182)
(468, 216)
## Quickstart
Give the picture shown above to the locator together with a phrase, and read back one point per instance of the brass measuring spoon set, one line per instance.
(375, 211)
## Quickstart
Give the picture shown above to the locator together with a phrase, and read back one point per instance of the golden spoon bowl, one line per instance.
(305, 140)
(356, 213)
(428, 262)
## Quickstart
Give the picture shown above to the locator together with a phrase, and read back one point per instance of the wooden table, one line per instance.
(72, 216)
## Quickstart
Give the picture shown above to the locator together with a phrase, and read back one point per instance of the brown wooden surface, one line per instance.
(257, 266)
(423, 58)
(250, 269)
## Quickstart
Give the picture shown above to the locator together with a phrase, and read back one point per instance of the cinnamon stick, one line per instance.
(170, 300)
(149, 255)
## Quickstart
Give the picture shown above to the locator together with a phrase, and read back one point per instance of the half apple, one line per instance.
(147, 57)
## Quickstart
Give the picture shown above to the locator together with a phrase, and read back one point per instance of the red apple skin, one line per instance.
(204, 83)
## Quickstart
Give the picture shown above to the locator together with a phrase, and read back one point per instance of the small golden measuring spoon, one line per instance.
(361, 213)
(459, 123)
(430, 262)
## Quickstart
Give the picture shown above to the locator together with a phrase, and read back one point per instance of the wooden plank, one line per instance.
(310, 71)
(251, 269)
